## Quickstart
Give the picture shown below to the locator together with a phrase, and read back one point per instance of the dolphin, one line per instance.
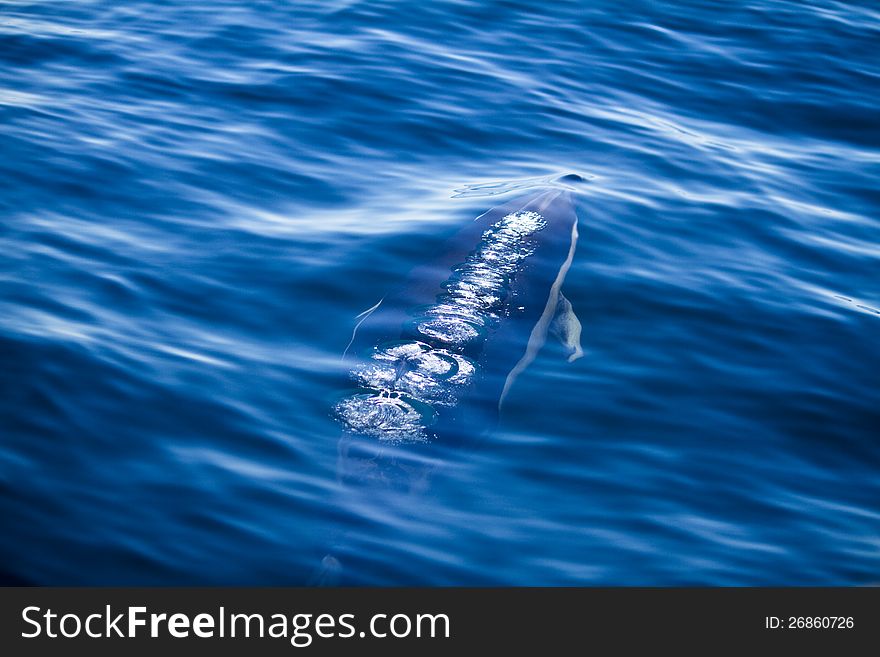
(434, 363)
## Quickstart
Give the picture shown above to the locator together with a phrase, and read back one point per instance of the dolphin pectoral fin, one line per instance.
(369, 311)
(566, 327)
(361, 317)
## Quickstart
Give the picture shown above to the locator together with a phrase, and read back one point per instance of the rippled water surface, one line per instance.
(197, 199)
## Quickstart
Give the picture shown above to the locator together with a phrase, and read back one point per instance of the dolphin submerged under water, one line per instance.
(434, 362)
(461, 329)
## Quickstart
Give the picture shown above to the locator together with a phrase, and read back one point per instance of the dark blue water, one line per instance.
(197, 198)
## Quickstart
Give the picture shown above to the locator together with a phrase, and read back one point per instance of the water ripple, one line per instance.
(197, 199)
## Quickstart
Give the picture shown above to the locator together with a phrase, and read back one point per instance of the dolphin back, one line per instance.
(437, 357)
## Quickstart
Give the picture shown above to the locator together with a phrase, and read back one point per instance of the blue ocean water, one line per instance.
(196, 200)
